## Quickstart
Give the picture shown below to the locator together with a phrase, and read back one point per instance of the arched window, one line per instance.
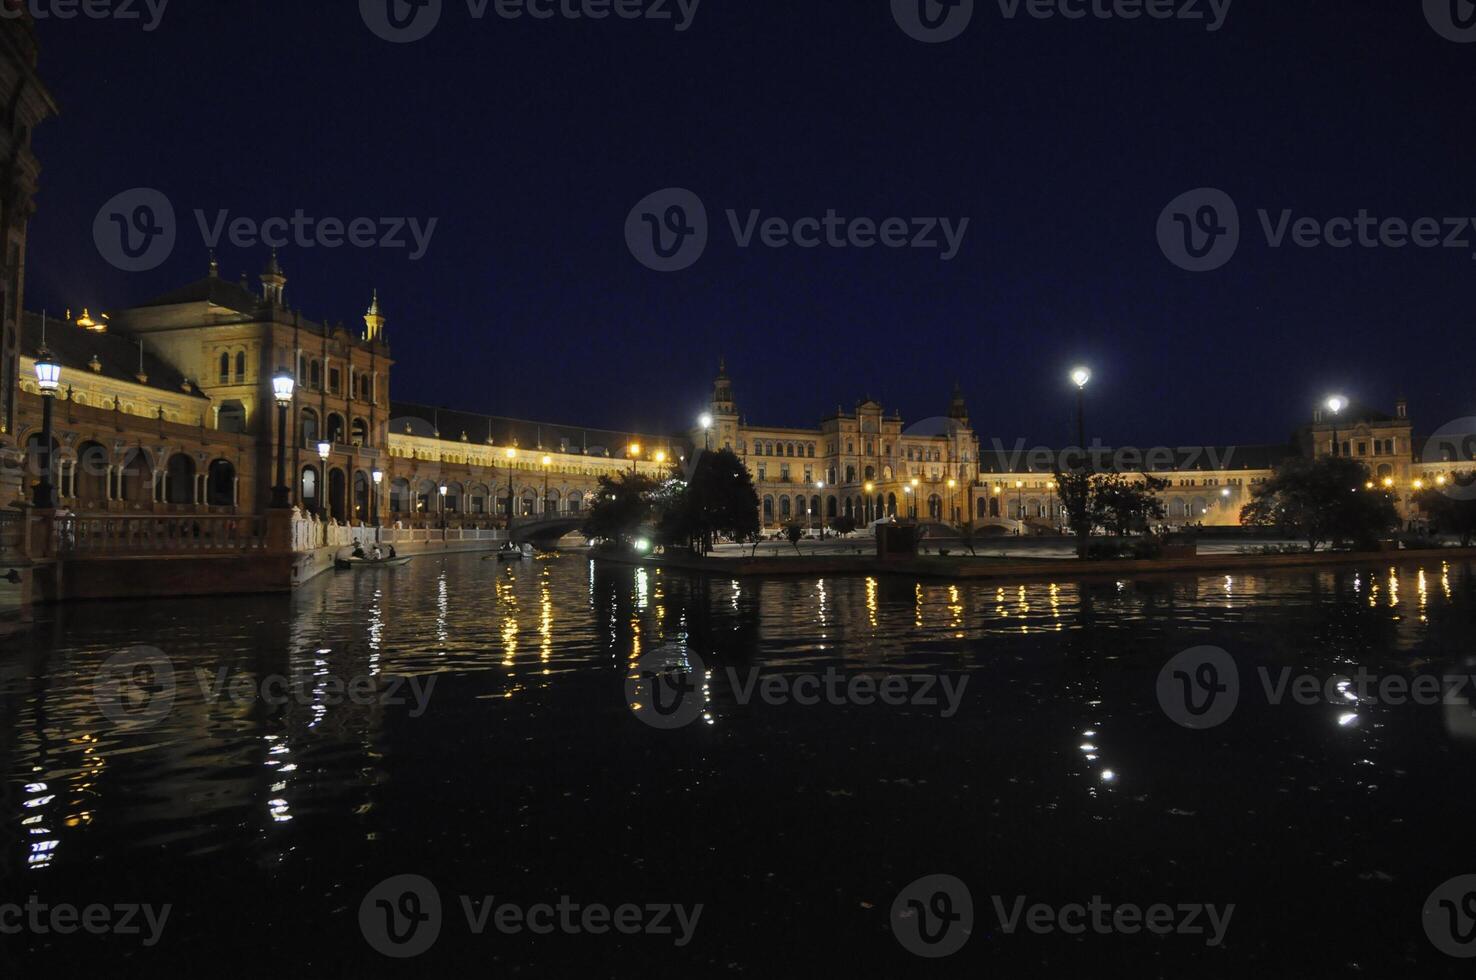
(136, 478)
(360, 433)
(871, 472)
(240, 366)
(399, 497)
(425, 495)
(575, 502)
(783, 508)
(220, 484)
(179, 480)
(891, 505)
(335, 429)
(310, 501)
(454, 494)
(232, 417)
(830, 507)
(225, 368)
(935, 506)
(814, 506)
(309, 428)
(768, 510)
(850, 474)
(361, 496)
(315, 375)
(338, 495)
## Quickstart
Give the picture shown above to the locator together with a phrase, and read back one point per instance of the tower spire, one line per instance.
(374, 320)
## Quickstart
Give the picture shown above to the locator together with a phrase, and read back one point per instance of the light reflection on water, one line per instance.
(536, 651)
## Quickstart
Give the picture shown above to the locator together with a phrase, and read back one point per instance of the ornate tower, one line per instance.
(722, 393)
(374, 321)
(957, 409)
(273, 282)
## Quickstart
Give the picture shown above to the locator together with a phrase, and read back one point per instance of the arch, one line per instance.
(980, 509)
(360, 432)
(551, 502)
(455, 493)
(220, 484)
(850, 507)
(231, 417)
(90, 483)
(784, 508)
(225, 367)
(830, 507)
(575, 502)
(240, 366)
(336, 429)
(315, 374)
(307, 426)
(879, 509)
(768, 510)
(361, 496)
(850, 474)
(477, 496)
(136, 477)
(179, 479)
(935, 506)
(309, 495)
(891, 505)
(425, 497)
(399, 497)
(815, 506)
(871, 472)
(527, 503)
(338, 495)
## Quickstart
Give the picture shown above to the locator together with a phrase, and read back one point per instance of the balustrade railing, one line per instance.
(12, 531)
(158, 534)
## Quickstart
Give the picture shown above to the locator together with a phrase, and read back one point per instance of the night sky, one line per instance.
(1061, 141)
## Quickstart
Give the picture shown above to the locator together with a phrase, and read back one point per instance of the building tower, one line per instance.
(374, 321)
(273, 282)
(957, 409)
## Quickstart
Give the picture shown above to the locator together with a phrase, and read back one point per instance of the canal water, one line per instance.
(261, 765)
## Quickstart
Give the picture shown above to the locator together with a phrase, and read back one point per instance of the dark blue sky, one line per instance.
(1062, 141)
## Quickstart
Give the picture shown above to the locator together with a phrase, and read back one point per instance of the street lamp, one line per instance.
(377, 475)
(512, 454)
(634, 449)
(705, 421)
(282, 385)
(547, 462)
(870, 488)
(1336, 404)
(325, 449)
(48, 379)
(952, 508)
(912, 504)
(1020, 500)
(660, 456)
(443, 488)
(820, 518)
(1080, 376)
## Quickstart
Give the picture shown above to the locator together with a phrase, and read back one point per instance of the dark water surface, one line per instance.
(528, 777)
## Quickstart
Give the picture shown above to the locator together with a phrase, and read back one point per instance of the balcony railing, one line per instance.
(159, 535)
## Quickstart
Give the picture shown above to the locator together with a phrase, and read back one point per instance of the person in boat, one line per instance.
(392, 554)
(376, 554)
(358, 550)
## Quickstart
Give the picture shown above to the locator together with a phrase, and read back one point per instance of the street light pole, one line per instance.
(1336, 404)
(282, 384)
(1080, 376)
(48, 378)
(378, 477)
(512, 454)
(705, 420)
(547, 462)
(634, 449)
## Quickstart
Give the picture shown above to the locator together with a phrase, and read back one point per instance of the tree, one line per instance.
(843, 525)
(1330, 499)
(622, 505)
(1080, 504)
(719, 498)
(794, 532)
(1126, 506)
(1451, 510)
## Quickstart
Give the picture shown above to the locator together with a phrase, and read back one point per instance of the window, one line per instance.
(763, 472)
(315, 376)
(335, 378)
(225, 368)
(784, 472)
(1363, 449)
(240, 366)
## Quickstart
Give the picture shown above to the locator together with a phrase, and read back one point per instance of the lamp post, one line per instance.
(634, 449)
(705, 421)
(378, 477)
(1336, 404)
(870, 488)
(952, 508)
(820, 518)
(912, 503)
(1020, 501)
(48, 379)
(512, 454)
(547, 462)
(325, 449)
(1080, 376)
(282, 385)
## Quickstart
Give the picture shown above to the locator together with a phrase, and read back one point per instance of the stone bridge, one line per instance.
(544, 533)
